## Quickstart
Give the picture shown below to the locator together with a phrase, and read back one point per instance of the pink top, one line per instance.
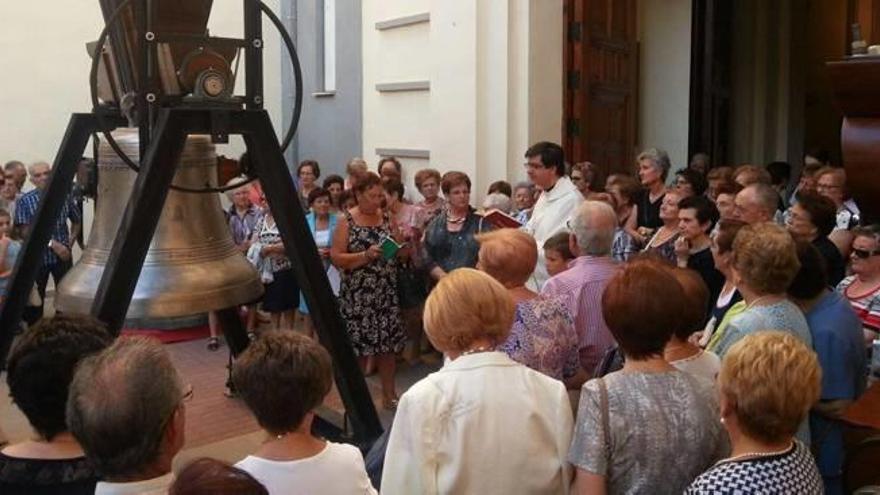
(409, 220)
(580, 288)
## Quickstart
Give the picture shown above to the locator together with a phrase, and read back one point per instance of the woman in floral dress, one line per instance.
(542, 336)
(368, 299)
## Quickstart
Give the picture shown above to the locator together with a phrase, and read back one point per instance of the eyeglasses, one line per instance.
(188, 394)
(532, 165)
(827, 186)
(863, 254)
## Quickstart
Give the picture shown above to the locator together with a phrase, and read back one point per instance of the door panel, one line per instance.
(601, 61)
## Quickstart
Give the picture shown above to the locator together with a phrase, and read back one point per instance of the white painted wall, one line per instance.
(495, 69)
(664, 76)
(45, 70)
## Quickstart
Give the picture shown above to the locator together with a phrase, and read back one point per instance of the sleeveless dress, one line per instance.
(368, 298)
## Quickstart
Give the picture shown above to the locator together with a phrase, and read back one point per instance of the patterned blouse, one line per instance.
(429, 212)
(267, 233)
(666, 250)
(451, 250)
(243, 226)
(663, 431)
(623, 247)
(793, 471)
(543, 338)
(74, 476)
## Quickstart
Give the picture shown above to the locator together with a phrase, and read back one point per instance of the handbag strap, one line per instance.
(603, 405)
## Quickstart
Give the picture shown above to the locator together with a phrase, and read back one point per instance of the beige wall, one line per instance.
(45, 70)
(664, 76)
(495, 73)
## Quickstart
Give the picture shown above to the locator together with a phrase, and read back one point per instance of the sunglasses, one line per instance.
(862, 253)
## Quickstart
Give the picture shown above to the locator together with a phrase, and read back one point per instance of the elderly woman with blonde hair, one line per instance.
(764, 264)
(768, 383)
(459, 430)
(543, 336)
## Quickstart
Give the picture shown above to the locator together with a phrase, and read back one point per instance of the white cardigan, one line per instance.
(549, 217)
(482, 424)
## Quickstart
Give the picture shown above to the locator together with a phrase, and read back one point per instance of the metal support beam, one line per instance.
(139, 222)
(233, 330)
(76, 137)
(142, 215)
(268, 162)
(253, 34)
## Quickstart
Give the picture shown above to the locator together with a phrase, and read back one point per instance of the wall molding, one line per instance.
(399, 22)
(404, 152)
(396, 87)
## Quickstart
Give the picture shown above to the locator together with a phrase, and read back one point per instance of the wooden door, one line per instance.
(710, 94)
(601, 84)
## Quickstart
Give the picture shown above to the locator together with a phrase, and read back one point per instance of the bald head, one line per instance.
(756, 203)
(593, 226)
(124, 408)
(39, 172)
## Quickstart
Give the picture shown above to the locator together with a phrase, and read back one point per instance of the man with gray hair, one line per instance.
(57, 259)
(581, 286)
(16, 171)
(756, 203)
(126, 409)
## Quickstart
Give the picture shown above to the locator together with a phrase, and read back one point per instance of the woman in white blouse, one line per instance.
(680, 351)
(483, 423)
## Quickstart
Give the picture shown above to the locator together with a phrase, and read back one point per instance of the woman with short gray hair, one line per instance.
(653, 169)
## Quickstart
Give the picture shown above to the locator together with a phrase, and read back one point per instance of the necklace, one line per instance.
(748, 455)
(477, 350)
(455, 220)
(663, 235)
(760, 299)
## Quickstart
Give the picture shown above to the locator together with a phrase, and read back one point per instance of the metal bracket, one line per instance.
(219, 127)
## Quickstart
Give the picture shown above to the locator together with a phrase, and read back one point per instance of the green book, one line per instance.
(390, 247)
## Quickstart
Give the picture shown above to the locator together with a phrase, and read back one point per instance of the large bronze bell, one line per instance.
(192, 265)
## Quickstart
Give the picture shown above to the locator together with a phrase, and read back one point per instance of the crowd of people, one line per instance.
(629, 336)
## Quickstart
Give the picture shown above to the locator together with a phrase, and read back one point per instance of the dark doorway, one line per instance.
(711, 52)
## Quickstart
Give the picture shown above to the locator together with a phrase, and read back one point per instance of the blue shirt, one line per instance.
(783, 316)
(26, 212)
(837, 340)
(11, 255)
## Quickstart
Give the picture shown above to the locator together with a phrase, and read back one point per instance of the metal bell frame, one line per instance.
(164, 130)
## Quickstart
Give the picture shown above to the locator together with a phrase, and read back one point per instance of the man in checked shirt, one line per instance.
(56, 260)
